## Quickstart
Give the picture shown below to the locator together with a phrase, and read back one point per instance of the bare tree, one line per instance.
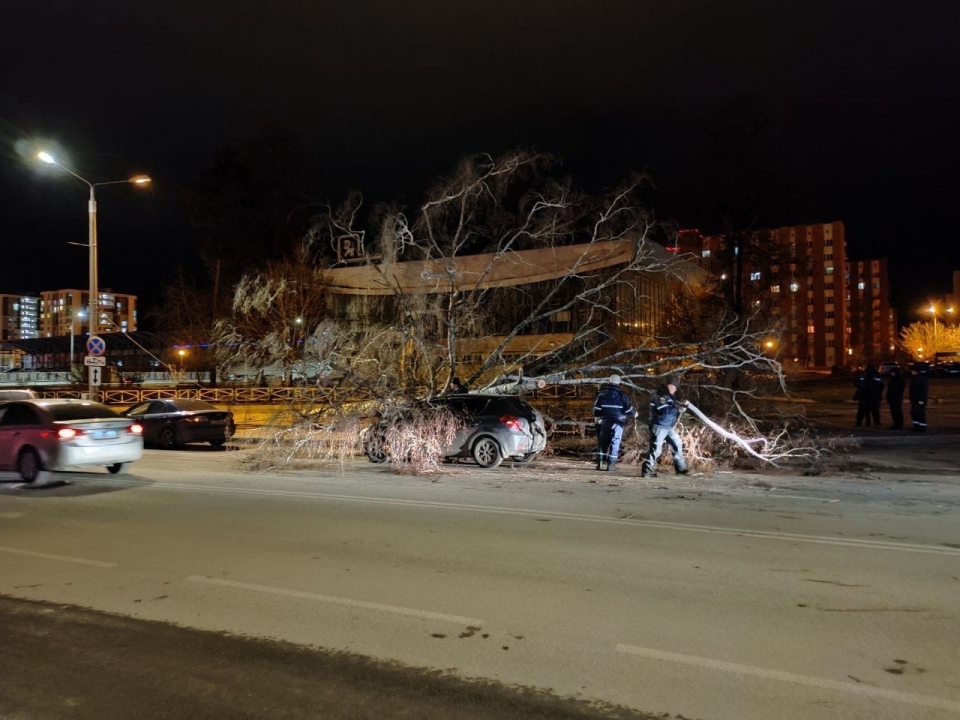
(497, 258)
(922, 340)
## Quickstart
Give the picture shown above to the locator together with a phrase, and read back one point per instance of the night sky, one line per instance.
(819, 111)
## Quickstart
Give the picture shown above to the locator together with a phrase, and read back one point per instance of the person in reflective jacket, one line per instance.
(665, 411)
(919, 394)
(611, 410)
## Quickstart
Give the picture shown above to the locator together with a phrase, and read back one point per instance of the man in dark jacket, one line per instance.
(665, 411)
(919, 393)
(895, 398)
(869, 396)
(611, 410)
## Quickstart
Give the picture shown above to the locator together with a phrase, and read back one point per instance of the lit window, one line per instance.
(861, 285)
(706, 253)
(774, 288)
(828, 271)
(794, 287)
(754, 276)
(811, 329)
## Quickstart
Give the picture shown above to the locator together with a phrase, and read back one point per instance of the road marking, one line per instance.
(788, 677)
(334, 600)
(523, 512)
(62, 558)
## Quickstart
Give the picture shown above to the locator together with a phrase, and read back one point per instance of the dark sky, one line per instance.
(790, 112)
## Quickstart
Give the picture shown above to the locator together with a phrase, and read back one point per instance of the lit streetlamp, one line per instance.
(934, 310)
(94, 307)
(73, 321)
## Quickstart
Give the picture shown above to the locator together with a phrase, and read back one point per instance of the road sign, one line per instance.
(95, 376)
(96, 345)
(94, 361)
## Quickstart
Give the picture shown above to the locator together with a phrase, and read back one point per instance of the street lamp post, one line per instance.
(73, 324)
(933, 310)
(94, 306)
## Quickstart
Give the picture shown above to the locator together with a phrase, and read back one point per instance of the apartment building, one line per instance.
(19, 317)
(61, 310)
(797, 275)
(873, 323)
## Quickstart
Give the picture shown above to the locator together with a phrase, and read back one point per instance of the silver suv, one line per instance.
(493, 427)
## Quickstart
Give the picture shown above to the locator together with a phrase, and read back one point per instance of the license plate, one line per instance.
(104, 434)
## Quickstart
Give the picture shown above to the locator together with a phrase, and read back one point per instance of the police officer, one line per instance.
(611, 410)
(665, 411)
(919, 394)
(869, 396)
(895, 399)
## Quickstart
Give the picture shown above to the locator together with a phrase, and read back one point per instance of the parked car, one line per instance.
(888, 367)
(17, 395)
(948, 369)
(493, 427)
(171, 423)
(40, 436)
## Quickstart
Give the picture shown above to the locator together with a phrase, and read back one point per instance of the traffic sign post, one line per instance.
(94, 361)
(95, 375)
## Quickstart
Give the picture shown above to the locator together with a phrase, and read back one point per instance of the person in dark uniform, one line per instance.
(919, 394)
(665, 411)
(869, 396)
(895, 388)
(611, 410)
(457, 387)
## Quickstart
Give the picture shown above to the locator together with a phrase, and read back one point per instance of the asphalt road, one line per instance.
(727, 596)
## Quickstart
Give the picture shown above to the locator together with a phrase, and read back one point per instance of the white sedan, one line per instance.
(40, 436)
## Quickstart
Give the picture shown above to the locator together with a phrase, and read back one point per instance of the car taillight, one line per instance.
(136, 429)
(68, 433)
(195, 419)
(511, 422)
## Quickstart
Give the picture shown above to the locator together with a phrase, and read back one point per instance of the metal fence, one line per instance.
(220, 395)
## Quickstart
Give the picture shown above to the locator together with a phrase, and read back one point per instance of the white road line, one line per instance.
(334, 600)
(739, 532)
(62, 558)
(788, 677)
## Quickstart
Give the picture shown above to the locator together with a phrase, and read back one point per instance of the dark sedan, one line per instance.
(171, 423)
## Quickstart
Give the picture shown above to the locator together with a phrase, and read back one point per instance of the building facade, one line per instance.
(873, 323)
(19, 317)
(63, 311)
(831, 311)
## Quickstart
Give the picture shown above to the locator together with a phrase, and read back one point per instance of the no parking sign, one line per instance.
(96, 345)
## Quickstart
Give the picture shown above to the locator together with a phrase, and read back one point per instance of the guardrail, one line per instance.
(221, 395)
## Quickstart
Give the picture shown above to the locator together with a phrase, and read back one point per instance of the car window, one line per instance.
(80, 411)
(192, 405)
(20, 414)
(158, 406)
(138, 409)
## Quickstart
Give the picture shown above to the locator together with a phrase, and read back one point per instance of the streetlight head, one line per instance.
(931, 309)
(46, 157)
(141, 180)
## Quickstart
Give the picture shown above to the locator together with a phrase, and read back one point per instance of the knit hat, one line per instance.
(672, 380)
(614, 379)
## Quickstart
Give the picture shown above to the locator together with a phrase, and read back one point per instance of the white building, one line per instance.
(19, 317)
(63, 310)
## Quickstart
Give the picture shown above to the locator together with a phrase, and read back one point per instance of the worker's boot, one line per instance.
(647, 470)
(611, 464)
(681, 469)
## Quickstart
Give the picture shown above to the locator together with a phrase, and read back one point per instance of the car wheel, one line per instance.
(118, 468)
(486, 452)
(525, 458)
(168, 438)
(377, 448)
(219, 443)
(28, 465)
